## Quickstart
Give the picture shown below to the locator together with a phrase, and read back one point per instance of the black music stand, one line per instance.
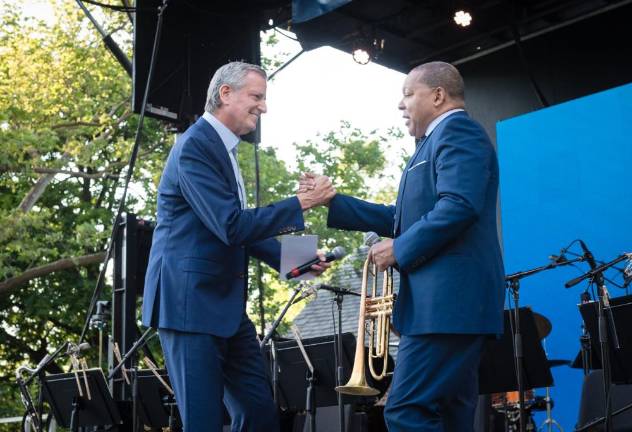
(74, 411)
(293, 370)
(497, 370)
(156, 405)
(618, 328)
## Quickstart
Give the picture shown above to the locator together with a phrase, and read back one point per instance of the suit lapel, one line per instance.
(215, 140)
(402, 185)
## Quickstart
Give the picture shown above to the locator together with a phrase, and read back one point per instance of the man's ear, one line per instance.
(224, 93)
(439, 96)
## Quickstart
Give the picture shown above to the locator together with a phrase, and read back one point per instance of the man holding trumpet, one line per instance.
(443, 239)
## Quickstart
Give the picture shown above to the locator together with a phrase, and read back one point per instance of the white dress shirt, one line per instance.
(433, 124)
(231, 141)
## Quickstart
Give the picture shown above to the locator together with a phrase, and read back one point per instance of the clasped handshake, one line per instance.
(314, 190)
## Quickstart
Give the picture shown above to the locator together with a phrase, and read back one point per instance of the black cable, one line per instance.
(511, 322)
(132, 162)
(335, 332)
(286, 64)
(129, 13)
(277, 30)
(116, 51)
(523, 58)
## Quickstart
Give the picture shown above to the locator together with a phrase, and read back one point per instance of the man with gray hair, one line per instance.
(196, 284)
(442, 237)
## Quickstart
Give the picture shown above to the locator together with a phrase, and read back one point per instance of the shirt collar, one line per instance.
(433, 124)
(229, 139)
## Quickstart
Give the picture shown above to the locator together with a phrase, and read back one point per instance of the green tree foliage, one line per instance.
(66, 131)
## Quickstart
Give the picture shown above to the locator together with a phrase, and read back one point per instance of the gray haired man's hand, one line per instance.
(314, 190)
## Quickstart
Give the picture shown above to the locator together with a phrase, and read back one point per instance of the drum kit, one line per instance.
(505, 405)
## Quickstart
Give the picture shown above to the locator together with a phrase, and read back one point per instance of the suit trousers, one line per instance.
(435, 383)
(206, 370)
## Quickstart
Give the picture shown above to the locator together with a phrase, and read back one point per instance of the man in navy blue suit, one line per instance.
(195, 287)
(444, 242)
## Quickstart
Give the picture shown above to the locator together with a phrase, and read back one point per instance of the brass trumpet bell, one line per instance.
(377, 311)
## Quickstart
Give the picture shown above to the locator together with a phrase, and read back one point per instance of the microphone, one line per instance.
(76, 350)
(43, 362)
(370, 238)
(335, 254)
(341, 291)
(588, 255)
(558, 259)
(306, 293)
(598, 276)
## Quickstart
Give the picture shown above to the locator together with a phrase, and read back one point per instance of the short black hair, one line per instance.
(442, 74)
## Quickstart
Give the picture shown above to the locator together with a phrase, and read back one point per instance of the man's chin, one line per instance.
(248, 130)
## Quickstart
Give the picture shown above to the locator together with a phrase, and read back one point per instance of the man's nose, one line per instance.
(263, 107)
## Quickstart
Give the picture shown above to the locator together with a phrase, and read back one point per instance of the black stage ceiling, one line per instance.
(415, 32)
(199, 36)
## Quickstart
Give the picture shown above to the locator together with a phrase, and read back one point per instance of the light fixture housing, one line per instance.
(463, 18)
(361, 56)
(366, 49)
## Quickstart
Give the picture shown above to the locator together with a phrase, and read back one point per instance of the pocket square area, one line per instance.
(417, 164)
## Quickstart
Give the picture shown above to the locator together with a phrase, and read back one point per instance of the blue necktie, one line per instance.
(240, 180)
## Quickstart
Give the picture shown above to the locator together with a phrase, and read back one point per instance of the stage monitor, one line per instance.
(197, 37)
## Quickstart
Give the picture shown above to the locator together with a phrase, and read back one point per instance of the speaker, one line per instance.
(592, 403)
(197, 37)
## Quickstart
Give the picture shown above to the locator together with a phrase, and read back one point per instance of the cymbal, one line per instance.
(542, 325)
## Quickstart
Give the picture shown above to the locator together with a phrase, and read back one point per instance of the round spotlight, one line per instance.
(361, 56)
(462, 18)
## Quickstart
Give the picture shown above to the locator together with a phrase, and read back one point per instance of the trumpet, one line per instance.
(376, 311)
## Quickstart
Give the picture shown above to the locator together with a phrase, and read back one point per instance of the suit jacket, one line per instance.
(197, 274)
(444, 224)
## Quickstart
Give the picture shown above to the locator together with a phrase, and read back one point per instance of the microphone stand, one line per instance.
(584, 340)
(276, 322)
(596, 275)
(339, 293)
(134, 372)
(513, 283)
(36, 412)
(310, 396)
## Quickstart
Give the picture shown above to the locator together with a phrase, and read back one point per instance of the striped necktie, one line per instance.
(240, 180)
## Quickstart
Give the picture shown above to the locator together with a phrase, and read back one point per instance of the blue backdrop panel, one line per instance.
(565, 174)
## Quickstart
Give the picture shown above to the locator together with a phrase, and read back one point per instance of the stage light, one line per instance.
(367, 49)
(463, 18)
(361, 56)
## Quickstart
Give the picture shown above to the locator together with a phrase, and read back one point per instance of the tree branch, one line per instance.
(62, 264)
(74, 124)
(37, 190)
(96, 175)
(40, 185)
